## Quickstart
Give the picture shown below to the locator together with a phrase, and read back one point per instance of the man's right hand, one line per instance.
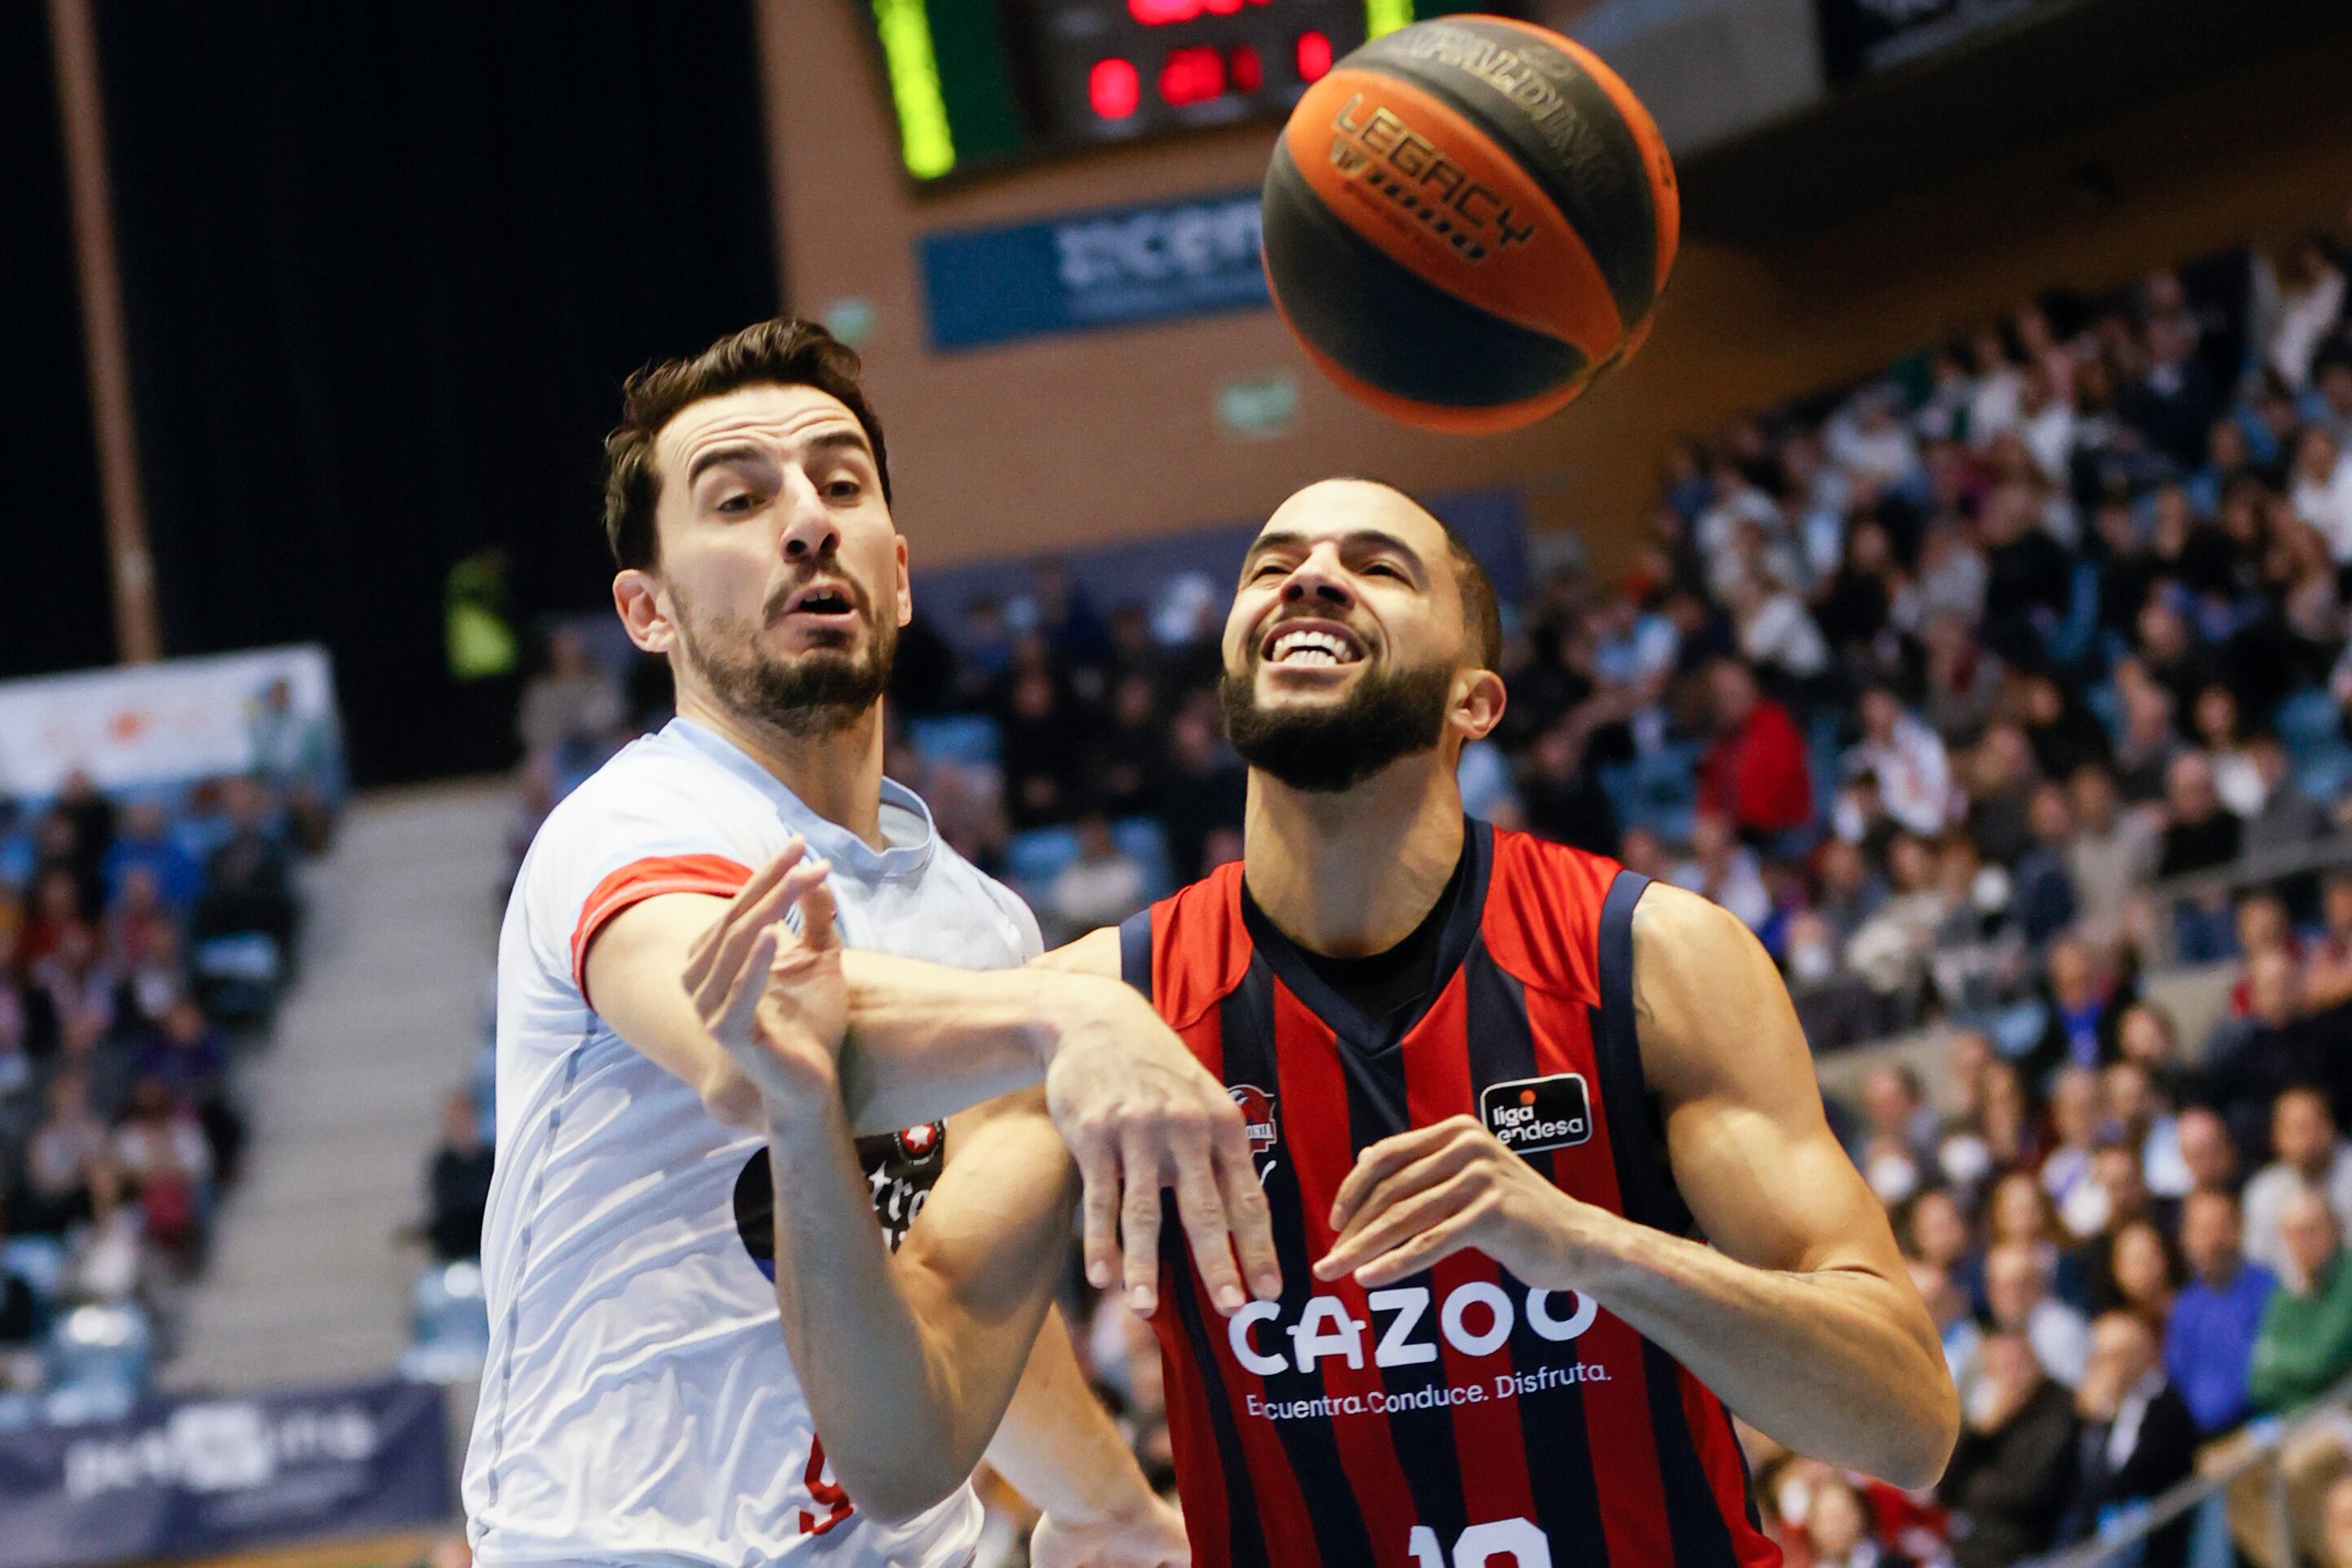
(775, 1001)
(1139, 1113)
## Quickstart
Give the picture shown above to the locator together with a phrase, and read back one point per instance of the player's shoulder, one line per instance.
(1545, 906)
(653, 784)
(1009, 908)
(1556, 868)
(1196, 944)
(653, 800)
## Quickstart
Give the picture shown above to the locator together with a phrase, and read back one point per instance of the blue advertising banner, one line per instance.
(1109, 266)
(194, 1477)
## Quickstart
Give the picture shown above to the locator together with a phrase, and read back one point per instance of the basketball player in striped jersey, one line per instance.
(1549, 1183)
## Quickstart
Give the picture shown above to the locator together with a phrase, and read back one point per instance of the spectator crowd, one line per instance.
(143, 942)
(1982, 693)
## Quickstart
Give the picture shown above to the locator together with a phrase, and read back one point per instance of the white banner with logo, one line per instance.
(203, 1476)
(169, 723)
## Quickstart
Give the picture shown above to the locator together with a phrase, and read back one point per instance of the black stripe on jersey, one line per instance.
(1747, 1477)
(1552, 1425)
(1646, 1184)
(1246, 1536)
(1245, 1531)
(1702, 1536)
(1135, 951)
(1379, 1107)
(1246, 1020)
(1645, 1188)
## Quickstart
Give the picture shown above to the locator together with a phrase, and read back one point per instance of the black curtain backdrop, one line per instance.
(58, 613)
(385, 265)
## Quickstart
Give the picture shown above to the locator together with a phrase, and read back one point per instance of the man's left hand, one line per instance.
(1430, 1193)
(1152, 1537)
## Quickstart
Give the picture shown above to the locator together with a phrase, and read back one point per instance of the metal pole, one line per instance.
(83, 114)
(2282, 1518)
(771, 30)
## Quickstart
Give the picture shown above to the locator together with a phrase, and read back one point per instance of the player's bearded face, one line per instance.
(816, 690)
(1327, 745)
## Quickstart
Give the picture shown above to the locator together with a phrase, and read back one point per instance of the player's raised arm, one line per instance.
(1799, 1315)
(910, 1362)
(632, 967)
(662, 971)
(1135, 1108)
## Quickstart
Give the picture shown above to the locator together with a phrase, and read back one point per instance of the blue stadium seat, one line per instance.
(2069, 640)
(39, 1260)
(1657, 790)
(1145, 840)
(450, 1325)
(2307, 721)
(99, 1360)
(2015, 1029)
(1035, 858)
(2327, 776)
(1825, 761)
(2106, 705)
(955, 738)
(237, 977)
(200, 836)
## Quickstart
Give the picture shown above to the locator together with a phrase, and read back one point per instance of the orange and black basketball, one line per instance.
(1468, 221)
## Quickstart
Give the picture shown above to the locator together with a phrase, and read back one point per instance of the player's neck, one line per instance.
(836, 775)
(1351, 874)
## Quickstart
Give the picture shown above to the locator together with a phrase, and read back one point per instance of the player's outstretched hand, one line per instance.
(1430, 1193)
(1152, 1539)
(1139, 1114)
(774, 998)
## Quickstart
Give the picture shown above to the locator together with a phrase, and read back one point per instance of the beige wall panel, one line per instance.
(1059, 442)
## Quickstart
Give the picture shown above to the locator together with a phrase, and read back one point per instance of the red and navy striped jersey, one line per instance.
(1457, 1419)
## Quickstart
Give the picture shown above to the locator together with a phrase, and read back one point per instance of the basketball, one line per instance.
(1468, 221)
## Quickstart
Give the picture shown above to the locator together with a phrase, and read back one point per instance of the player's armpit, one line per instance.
(1800, 1315)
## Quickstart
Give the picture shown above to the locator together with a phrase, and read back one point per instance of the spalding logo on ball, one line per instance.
(1468, 221)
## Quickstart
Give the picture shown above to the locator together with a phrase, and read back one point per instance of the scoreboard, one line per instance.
(976, 82)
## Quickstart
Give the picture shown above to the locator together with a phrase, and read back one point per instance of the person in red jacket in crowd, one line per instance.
(1755, 774)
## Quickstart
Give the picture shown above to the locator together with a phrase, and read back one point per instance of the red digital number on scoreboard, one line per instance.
(1192, 75)
(1169, 13)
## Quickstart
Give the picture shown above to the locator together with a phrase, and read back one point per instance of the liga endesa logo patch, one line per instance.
(1531, 1114)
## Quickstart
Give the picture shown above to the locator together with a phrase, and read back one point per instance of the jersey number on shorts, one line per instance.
(1513, 1540)
(829, 1495)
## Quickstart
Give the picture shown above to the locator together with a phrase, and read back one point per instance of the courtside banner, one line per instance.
(165, 723)
(205, 1476)
(1106, 267)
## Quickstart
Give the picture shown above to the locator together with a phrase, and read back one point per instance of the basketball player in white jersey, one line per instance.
(638, 1404)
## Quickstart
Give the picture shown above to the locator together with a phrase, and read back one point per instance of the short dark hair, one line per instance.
(1480, 608)
(784, 351)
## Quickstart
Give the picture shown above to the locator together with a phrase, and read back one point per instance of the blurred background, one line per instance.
(1955, 588)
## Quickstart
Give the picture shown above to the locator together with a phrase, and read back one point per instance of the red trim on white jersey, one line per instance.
(648, 879)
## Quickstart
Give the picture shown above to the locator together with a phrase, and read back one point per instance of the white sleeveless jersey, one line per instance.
(638, 1404)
